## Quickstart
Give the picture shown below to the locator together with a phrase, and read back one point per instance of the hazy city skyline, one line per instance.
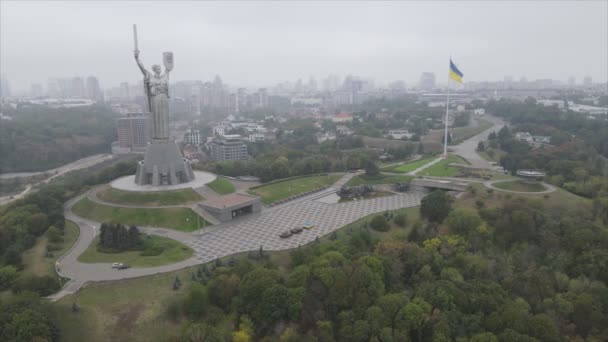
(263, 43)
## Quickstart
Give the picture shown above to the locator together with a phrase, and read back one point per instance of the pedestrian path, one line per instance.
(427, 165)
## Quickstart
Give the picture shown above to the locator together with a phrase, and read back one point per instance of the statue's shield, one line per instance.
(168, 60)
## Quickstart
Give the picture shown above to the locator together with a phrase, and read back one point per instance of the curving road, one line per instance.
(468, 148)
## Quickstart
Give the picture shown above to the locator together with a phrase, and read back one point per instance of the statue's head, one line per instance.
(156, 69)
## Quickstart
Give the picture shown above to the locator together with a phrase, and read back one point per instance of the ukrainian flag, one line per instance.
(455, 74)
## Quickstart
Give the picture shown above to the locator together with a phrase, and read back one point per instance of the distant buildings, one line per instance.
(479, 111)
(94, 92)
(133, 133)
(342, 117)
(533, 140)
(5, 88)
(228, 147)
(427, 81)
(193, 137)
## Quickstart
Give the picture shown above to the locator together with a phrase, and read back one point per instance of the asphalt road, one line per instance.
(468, 148)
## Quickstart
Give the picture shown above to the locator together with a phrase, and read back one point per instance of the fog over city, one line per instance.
(261, 43)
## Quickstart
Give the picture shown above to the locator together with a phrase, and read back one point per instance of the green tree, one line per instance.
(8, 274)
(484, 337)
(379, 223)
(401, 219)
(463, 221)
(371, 169)
(436, 206)
(195, 303)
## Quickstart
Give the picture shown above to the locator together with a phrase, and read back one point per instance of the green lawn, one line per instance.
(34, 259)
(411, 166)
(518, 185)
(379, 179)
(273, 192)
(462, 133)
(149, 198)
(441, 169)
(173, 252)
(222, 186)
(183, 219)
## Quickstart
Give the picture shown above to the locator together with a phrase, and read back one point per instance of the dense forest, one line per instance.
(41, 138)
(524, 270)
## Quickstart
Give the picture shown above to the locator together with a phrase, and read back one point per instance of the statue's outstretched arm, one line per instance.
(141, 65)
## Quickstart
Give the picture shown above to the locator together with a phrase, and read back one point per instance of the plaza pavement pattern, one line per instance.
(264, 230)
(243, 235)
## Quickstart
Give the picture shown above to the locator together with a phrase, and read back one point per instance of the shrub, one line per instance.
(8, 274)
(54, 235)
(479, 204)
(379, 223)
(401, 219)
(44, 285)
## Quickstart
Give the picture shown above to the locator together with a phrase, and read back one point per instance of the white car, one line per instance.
(116, 265)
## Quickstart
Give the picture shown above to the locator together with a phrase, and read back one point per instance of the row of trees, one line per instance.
(118, 238)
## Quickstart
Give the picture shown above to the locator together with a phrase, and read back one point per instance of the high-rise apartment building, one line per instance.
(93, 89)
(134, 131)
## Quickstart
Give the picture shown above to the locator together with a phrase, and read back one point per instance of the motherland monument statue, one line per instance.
(163, 163)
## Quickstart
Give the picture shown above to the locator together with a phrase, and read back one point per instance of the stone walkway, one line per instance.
(238, 236)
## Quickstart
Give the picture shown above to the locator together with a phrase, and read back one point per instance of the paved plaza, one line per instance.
(264, 230)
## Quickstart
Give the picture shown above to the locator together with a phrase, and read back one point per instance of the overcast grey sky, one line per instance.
(261, 43)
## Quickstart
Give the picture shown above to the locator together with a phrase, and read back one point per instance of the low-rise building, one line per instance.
(524, 136)
(342, 117)
(400, 134)
(228, 207)
(479, 111)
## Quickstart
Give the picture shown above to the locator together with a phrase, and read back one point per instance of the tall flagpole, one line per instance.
(447, 107)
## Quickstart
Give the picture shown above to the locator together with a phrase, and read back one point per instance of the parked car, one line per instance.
(308, 225)
(296, 230)
(116, 265)
(285, 234)
(123, 266)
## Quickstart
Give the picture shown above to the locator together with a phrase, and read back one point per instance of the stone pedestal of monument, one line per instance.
(163, 164)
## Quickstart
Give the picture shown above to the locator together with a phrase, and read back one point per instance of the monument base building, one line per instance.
(163, 164)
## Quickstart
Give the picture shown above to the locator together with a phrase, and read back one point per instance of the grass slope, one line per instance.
(442, 169)
(279, 190)
(34, 259)
(173, 252)
(222, 186)
(183, 219)
(379, 179)
(125, 310)
(175, 197)
(518, 185)
(460, 134)
(411, 166)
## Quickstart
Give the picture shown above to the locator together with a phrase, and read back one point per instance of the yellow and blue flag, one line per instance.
(455, 74)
